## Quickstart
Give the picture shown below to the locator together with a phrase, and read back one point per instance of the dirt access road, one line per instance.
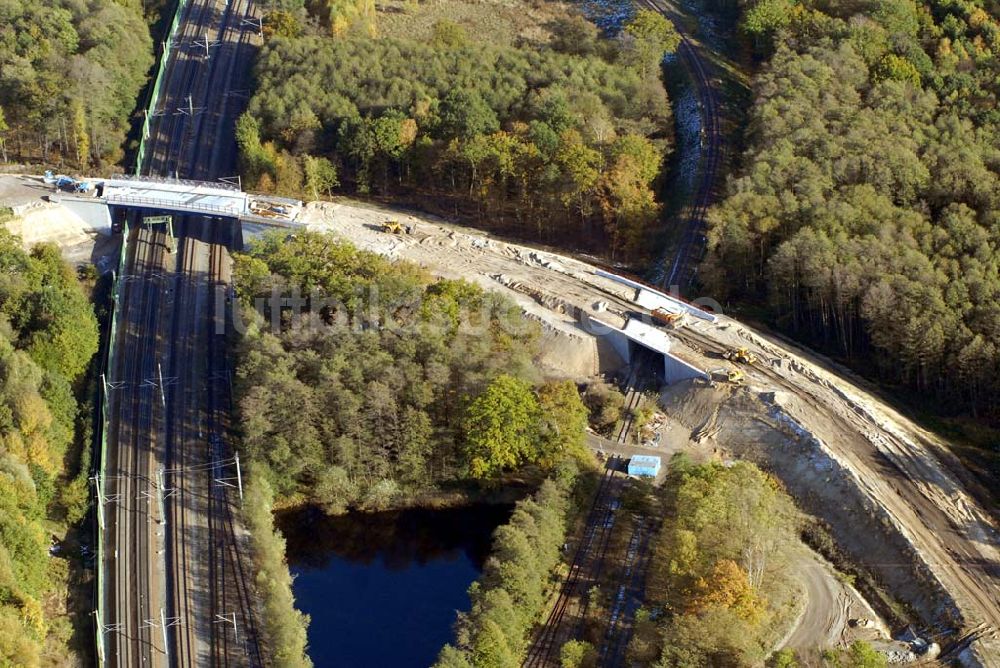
(896, 498)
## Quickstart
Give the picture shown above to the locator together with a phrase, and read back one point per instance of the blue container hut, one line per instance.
(644, 466)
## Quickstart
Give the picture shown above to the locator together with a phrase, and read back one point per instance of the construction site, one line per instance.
(894, 497)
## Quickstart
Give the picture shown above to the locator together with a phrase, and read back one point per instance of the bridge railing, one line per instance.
(105, 424)
(154, 98)
(154, 203)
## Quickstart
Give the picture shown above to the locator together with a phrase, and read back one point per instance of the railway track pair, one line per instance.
(627, 594)
(129, 479)
(205, 551)
(192, 135)
(181, 591)
(584, 571)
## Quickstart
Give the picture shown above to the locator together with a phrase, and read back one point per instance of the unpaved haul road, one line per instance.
(904, 472)
(951, 532)
(829, 605)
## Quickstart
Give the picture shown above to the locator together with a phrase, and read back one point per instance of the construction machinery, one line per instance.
(269, 209)
(395, 227)
(668, 318)
(741, 355)
(730, 375)
(67, 183)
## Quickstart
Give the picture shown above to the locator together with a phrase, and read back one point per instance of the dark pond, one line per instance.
(382, 589)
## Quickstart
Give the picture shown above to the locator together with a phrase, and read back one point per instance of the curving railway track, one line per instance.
(589, 558)
(691, 248)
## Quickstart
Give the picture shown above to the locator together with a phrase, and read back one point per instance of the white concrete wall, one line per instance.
(94, 213)
(613, 336)
(676, 370)
(649, 298)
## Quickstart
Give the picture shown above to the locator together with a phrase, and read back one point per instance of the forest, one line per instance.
(378, 383)
(363, 384)
(70, 72)
(865, 212)
(561, 141)
(720, 566)
(46, 343)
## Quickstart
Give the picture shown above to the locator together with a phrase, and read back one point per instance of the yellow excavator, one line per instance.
(741, 355)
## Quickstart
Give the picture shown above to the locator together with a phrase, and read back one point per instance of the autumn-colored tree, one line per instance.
(81, 140)
(281, 23)
(726, 585)
(526, 145)
(647, 37)
(4, 128)
(320, 176)
(563, 422)
(449, 35)
(720, 561)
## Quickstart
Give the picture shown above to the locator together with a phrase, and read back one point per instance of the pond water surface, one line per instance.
(382, 589)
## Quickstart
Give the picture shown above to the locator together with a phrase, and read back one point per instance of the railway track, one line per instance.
(131, 483)
(587, 560)
(628, 592)
(180, 589)
(544, 649)
(184, 399)
(191, 133)
(169, 122)
(231, 594)
(637, 382)
(692, 246)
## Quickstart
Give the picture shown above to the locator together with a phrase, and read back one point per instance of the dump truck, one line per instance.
(741, 355)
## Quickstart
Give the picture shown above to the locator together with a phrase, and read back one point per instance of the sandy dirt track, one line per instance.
(900, 478)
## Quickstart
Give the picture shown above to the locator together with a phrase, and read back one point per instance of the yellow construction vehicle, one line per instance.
(730, 375)
(396, 227)
(393, 227)
(741, 355)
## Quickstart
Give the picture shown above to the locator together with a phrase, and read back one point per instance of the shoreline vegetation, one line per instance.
(382, 389)
(513, 590)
